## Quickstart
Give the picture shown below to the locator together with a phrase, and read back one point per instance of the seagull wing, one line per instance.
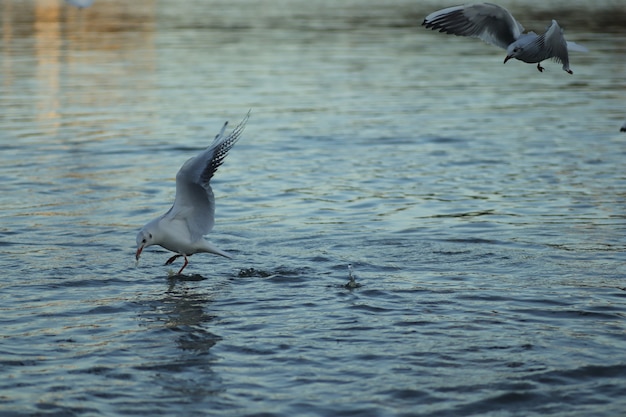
(555, 45)
(489, 22)
(195, 202)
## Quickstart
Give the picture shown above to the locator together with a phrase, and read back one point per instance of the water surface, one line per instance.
(481, 206)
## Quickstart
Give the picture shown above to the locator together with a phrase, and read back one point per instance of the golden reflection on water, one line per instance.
(77, 57)
(7, 36)
(47, 34)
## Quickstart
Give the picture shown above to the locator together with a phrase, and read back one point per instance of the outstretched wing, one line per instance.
(555, 45)
(195, 202)
(489, 22)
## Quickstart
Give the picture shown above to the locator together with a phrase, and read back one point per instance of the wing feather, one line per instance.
(489, 22)
(195, 202)
(555, 45)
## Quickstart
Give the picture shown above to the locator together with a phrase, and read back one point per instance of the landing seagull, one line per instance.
(182, 228)
(495, 25)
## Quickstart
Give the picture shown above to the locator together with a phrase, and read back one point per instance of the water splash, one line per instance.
(352, 279)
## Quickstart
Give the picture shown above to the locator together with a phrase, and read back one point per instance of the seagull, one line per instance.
(192, 216)
(495, 25)
(81, 4)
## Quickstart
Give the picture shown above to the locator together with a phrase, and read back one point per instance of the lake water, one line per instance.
(482, 207)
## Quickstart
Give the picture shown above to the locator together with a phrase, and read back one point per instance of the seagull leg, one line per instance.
(539, 67)
(186, 262)
(172, 259)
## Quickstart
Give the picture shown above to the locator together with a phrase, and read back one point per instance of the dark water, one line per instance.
(481, 205)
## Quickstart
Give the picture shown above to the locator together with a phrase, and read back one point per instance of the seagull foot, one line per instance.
(569, 71)
(539, 67)
(184, 265)
(172, 259)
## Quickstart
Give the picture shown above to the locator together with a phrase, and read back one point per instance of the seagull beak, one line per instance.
(507, 58)
(138, 254)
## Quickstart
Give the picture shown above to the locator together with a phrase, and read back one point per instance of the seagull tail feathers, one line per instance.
(573, 46)
(214, 250)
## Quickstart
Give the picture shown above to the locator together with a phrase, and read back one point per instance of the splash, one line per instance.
(352, 279)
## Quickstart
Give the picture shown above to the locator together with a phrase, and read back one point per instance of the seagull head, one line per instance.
(513, 51)
(144, 238)
(526, 49)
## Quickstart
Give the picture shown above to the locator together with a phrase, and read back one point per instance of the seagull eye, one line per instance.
(150, 234)
(143, 241)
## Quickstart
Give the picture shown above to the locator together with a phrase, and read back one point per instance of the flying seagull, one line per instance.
(192, 216)
(81, 4)
(495, 25)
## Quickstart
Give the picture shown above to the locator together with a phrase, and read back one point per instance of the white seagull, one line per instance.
(495, 25)
(81, 4)
(192, 216)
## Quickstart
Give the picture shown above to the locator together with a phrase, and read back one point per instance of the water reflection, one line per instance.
(77, 59)
(372, 145)
(47, 34)
(179, 324)
(184, 310)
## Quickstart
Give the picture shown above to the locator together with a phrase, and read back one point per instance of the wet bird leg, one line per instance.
(185, 264)
(173, 258)
(539, 67)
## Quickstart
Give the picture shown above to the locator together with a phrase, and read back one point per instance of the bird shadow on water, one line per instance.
(184, 309)
(174, 278)
(179, 336)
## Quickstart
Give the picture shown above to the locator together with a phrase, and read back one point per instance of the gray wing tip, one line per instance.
(219, 135)
(447, 22)
(234, 135)
(220, 148)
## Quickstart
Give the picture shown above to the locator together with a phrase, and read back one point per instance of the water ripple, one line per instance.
(480, 207)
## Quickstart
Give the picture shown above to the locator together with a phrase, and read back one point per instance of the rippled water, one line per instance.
(481, 205)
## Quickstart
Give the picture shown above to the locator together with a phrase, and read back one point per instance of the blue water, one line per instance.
(481, 206)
